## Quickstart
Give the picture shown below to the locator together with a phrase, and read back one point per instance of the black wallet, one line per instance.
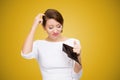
(69, 51)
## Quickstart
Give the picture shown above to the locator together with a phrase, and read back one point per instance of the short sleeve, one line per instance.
(33, 53)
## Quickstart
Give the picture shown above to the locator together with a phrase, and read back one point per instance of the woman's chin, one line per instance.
(54, 37)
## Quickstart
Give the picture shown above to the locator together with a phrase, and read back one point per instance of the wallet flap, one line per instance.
(69, 51)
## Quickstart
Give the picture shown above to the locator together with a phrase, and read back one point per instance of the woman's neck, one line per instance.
(60, 38)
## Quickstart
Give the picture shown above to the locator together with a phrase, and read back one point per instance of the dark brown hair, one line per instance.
(52, 14)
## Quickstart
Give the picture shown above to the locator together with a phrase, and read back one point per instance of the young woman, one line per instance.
(53, 61)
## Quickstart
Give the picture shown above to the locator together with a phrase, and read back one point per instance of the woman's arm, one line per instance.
(27, 46)
(77, 66)
(77, 49)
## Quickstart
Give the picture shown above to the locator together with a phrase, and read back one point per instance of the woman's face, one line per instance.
(53, 28)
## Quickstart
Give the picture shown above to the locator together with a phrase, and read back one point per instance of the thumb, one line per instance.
(75, 44)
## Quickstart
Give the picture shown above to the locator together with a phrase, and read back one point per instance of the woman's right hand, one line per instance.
(38, 20)
(27, 46)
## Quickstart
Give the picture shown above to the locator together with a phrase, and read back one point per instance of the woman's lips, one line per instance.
(55, 34)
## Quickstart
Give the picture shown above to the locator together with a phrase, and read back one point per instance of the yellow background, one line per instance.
(94, 22)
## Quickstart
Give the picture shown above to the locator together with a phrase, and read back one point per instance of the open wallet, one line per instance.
(69, 51)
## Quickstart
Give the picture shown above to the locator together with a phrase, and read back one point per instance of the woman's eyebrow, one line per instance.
(58, 24)
(54, 25)
(50, 25)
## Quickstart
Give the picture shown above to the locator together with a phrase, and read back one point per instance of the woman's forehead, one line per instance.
(52, 22)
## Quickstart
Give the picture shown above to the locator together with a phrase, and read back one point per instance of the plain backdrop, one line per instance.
(94, 22)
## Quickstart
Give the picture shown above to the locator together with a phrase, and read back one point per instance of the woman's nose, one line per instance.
(55, 31)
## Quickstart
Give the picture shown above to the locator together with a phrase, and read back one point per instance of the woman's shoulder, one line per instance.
(73, 39)
(37, 41)
(70, 38)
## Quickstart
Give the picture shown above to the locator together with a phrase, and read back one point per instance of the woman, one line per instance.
(53, 61)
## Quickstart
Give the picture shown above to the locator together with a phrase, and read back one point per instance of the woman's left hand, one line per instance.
(76, 48)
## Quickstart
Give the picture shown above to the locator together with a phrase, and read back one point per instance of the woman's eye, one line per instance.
(50, 27)
(59, 26)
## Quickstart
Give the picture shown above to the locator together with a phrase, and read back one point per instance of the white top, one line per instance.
(54, 63)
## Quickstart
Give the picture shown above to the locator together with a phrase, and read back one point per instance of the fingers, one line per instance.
(38, 18)
(76, 47)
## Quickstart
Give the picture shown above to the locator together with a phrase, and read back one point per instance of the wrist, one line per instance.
(34, 26)
(33, 29)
